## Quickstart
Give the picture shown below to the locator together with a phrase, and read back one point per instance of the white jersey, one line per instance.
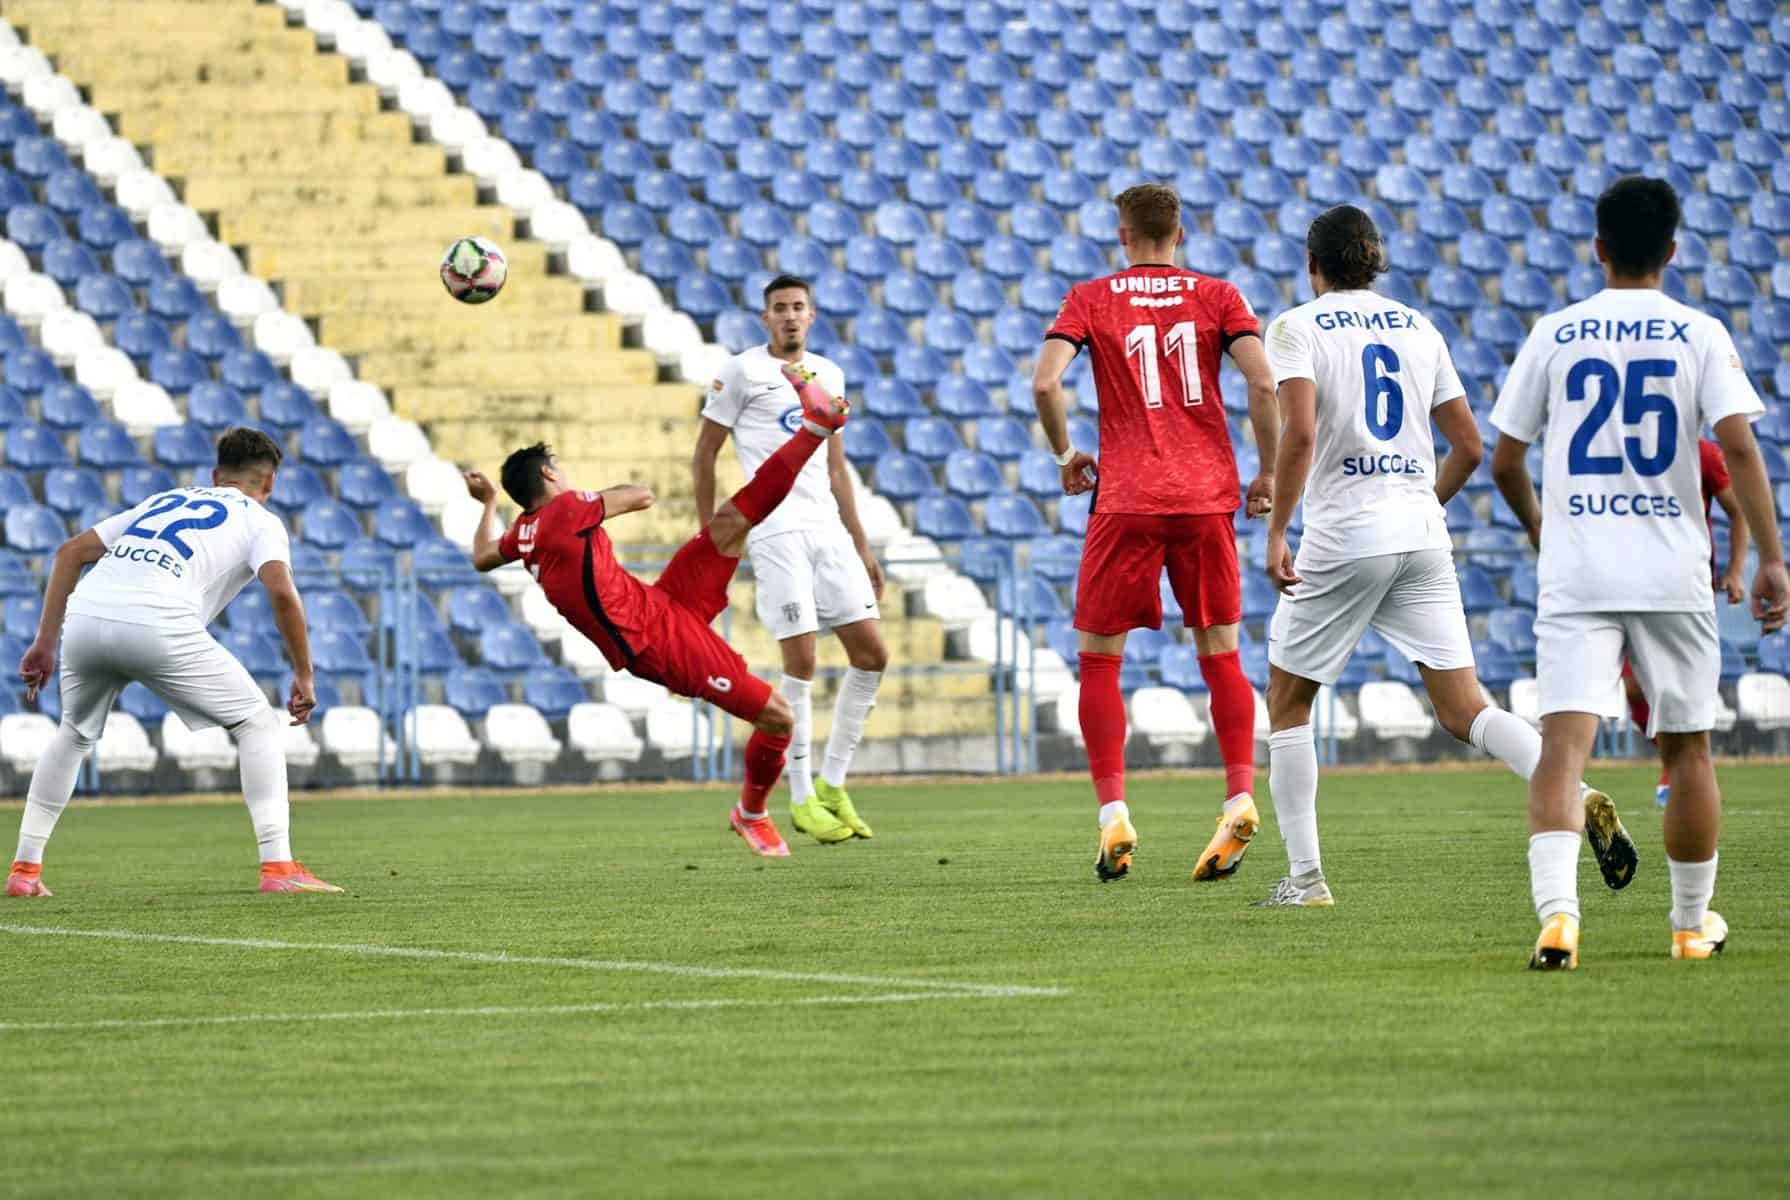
(1379, 368)
(752, 398)
(1620, 384)
(179, 557)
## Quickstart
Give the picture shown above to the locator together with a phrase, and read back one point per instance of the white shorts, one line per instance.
(1413, 600)
(195, 676)
(1677, 658)
(809, 580)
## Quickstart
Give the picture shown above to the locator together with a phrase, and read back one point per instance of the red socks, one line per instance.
(764, 764)
(1233, 718)
(775, 476)
(1103, 724)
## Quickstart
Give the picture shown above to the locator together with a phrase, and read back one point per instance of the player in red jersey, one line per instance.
(1165, 494)
(1718, 488)
(661, 632)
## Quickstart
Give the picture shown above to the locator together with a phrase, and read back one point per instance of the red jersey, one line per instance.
(1715, 479)
(563, 545)
(1155, 334)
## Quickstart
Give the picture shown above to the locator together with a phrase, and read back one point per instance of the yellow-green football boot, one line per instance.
(812, 818)
(837, 801)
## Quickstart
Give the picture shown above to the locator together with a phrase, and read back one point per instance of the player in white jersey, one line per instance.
(1361, 377)
(1619, 384)
(161, 573)
(814, 566)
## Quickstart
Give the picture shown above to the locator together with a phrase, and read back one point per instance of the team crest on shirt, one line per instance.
(791, 420)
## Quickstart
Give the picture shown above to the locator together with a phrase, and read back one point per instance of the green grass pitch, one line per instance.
(1393, 1045)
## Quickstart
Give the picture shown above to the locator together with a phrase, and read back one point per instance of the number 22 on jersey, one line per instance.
(215, 515)
(1179, 345)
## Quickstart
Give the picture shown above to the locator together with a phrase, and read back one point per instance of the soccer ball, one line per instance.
(473, 270)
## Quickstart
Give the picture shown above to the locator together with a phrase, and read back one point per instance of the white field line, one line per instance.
(501, 958)
(540, 1010)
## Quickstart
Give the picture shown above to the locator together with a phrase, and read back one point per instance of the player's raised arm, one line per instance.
(1264, 418)
(702, 467)
(1752, 488)
(289, 618)
(1078, 468)
(485, 553)
(71, 558)
(625, 498)
(1465, 449)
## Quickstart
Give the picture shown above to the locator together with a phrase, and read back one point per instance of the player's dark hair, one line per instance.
(521, 474)
(787, 281)
(1637, 218)
(241, 448)
(1150, 210)
(1346, 246)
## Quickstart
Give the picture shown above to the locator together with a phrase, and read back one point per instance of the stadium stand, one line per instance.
(928, 181)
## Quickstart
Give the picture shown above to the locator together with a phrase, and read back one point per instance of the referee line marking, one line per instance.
(492, 1010)
(502, 958)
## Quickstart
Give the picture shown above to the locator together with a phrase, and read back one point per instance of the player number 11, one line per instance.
(1178, 344)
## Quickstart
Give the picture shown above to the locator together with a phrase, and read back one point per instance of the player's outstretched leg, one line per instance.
(1102, 713)
(1293, 788)
(1692, 825)
(1233, 720)
(52, 783)
(751, 818)
(1556, 817)
(1461, 708)
(261, 755)
(857, 696)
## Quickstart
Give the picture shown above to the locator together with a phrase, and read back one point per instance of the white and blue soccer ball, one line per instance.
(473, 270)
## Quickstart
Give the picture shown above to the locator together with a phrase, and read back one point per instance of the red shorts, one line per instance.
(1119, 588)
(684, 653)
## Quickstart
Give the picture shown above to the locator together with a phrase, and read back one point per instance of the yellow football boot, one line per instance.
(1557, 949)
(1237, 825)
(1706, 942)
(1118, 842)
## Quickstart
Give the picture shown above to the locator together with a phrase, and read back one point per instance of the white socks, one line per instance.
(798, 765)
(261, 753)
(1293, 786)
(1112, 810)
(857, 696)
(1693, 883)
(52, 783)
(1554, 873)
(1507, 738)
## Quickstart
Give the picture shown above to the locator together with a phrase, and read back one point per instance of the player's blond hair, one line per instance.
(1152, 211)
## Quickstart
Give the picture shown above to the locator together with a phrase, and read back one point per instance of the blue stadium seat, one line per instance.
(325, 522)
(866, 441)
(511, 648)
(103, 444)
(138, 484)
(33, 528)
(943, 518)
(69, 490)
(1055, 557)
(473, 609)
(904, 477)
(1038, 475)
(181, 446)
(441, 563)
(972, 474)
(931, 439)
(295, 486)
(399, 523)
(1011, 515)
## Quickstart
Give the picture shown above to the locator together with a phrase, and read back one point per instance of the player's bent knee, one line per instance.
(778, 718)
(874, 657)
(728, 530)
(265, 722)
(77, 741)
(1458, 719)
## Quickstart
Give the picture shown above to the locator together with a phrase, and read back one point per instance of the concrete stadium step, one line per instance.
(471, 329)
(292, 128)
(620, 404)
(441, 223)
(198, 159)
(418, 293)
(152, 76)
(303, 192)
(503, 372)
(233, 99)
(288, 259)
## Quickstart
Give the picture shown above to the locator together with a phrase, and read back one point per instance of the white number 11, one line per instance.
(1178, 343)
